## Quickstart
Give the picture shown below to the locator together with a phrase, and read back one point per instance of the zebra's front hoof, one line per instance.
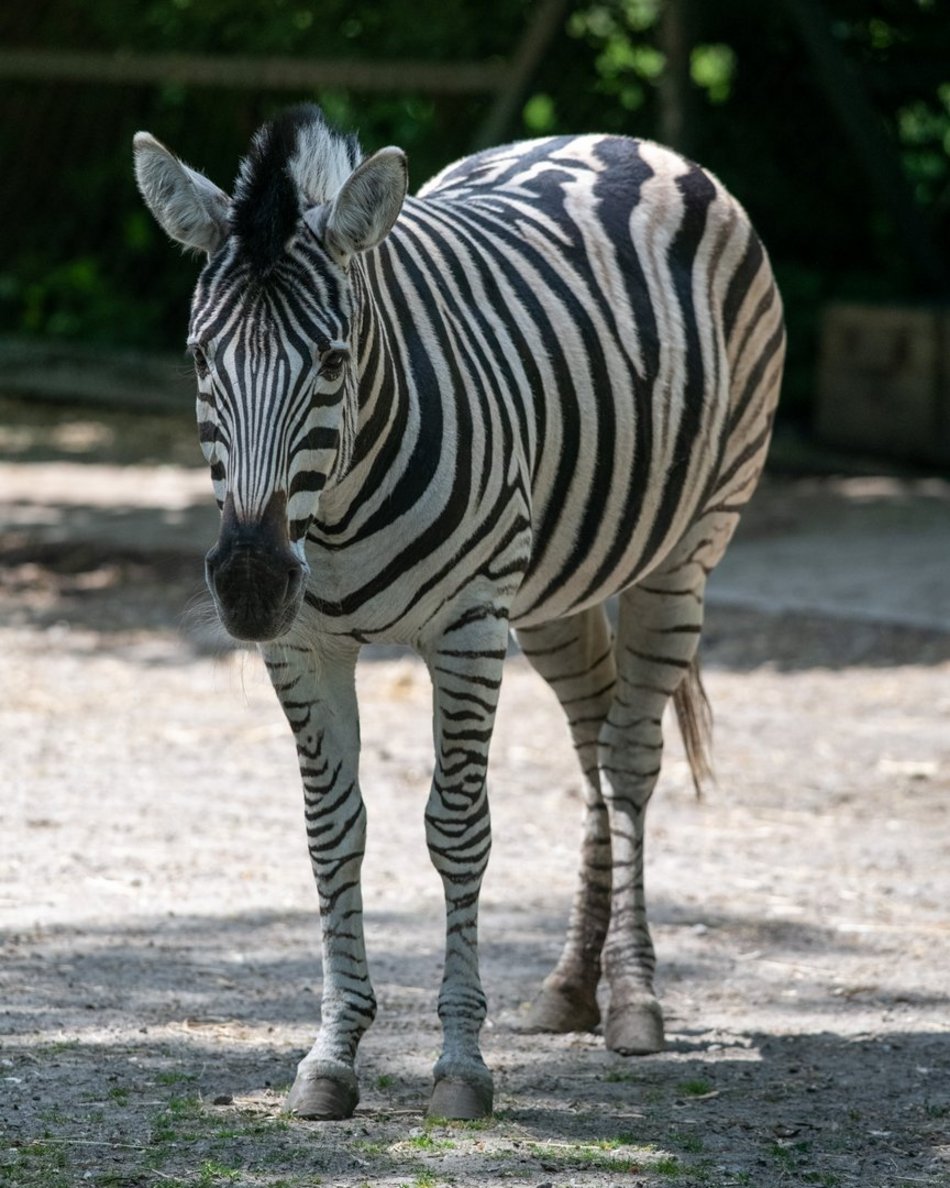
(635, 1027)
(316, 1096)
(461, 1100)
(561, 1007)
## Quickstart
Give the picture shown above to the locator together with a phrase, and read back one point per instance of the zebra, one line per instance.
(547, 380)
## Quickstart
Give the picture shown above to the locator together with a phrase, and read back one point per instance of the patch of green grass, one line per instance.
(183, 1107)
(426, 1142)
(582, 1156)
(119, 1095)
(211, 1173)
(174, 1077)
(789, 1155)
(620, 1156)
(162, 1132)
(691, 1143)
(51, 1155)
(224, 1134)
(423, 1180)
(696, 1087)
(171, 1125)
(460, 1123)
(782, 1153)
(255, 1124)
(369, 1147)
(383, 1081)
(36, 1164)
(616, 1076)
(53, 1115)
(671, 1167)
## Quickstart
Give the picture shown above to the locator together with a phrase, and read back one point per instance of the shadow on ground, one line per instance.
(121, 1036)
(262, 968)
(116, 589)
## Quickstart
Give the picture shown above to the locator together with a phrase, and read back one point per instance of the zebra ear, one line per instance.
(367, 204)
(185, 204)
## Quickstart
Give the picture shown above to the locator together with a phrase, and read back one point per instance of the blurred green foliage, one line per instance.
(81, 259)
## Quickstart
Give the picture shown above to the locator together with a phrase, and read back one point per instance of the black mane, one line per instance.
(268, 195)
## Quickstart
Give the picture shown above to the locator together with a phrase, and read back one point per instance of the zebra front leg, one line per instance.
(466, 669)
(318, 695)
(576, 658)
(656, 643)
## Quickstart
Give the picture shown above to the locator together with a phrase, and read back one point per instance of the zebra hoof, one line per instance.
(635, 1028)
(561, 1008)
(460, 1100)
(321, 1098)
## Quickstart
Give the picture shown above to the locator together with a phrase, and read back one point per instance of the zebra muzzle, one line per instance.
(256, 581)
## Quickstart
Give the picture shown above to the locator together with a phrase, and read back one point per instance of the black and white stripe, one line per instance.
(550, 381)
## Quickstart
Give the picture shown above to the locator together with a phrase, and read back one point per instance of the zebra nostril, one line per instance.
(257, 585)
(294, 580)
(212, 559)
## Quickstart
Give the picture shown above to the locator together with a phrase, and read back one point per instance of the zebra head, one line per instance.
(273, 334)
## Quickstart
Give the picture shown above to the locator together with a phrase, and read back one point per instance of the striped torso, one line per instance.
(563, 367)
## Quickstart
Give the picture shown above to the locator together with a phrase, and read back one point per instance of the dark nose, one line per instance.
(256, 581)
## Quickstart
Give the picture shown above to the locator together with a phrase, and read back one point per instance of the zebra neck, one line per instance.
(385, 403)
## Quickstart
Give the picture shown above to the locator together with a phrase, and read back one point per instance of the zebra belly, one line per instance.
(553, 591)
(536, 564)
(596, 538)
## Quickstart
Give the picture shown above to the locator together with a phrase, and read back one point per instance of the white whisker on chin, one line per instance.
(201, 627)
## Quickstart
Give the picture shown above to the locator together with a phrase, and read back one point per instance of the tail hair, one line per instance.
(695, 719)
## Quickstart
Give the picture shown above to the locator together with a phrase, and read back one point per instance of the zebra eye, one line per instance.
(332, 361)
(201, 361)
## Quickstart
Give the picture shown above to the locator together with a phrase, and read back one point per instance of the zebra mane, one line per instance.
(296, 161)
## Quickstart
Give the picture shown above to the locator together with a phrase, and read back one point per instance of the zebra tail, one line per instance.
(695, 720)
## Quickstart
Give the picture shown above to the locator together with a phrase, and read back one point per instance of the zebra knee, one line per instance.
(629, 760)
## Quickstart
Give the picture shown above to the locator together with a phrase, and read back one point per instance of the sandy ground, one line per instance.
(160, 972)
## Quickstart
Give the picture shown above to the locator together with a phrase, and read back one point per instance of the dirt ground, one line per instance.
(160, 970)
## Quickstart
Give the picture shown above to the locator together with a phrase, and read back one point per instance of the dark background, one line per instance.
(843, 163)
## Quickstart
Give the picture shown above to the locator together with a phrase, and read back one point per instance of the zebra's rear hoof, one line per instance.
(635, 1028)
(460, 1100)
(560, 1008)
(321, 1098)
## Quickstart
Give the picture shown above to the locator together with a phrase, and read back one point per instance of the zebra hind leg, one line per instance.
(657, 638)
(576, 657)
